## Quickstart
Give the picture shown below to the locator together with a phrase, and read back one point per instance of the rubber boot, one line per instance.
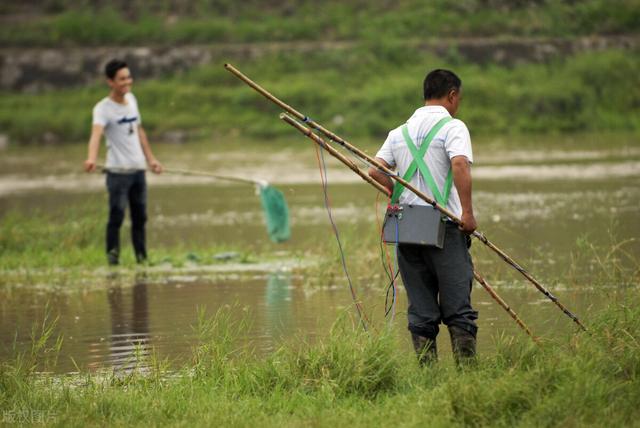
(141, 258)
(426, 349)
(463, 344)
(112, 257)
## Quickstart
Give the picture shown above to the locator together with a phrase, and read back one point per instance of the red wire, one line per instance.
(386, 249)
(353, 292)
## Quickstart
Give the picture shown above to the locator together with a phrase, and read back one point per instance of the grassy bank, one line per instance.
(359, 92)
(350, 378)
(68, 23)
(67, 245)
(73, 241)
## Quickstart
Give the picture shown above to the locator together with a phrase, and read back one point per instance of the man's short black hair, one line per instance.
(439, 82)
(112, 67)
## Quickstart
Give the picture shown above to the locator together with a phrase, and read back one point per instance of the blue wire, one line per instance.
(337, 234)
(392, 277)
(393, 302)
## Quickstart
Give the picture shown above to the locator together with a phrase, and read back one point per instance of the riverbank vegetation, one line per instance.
(349, 378)
(340, 89)
(365, 78)
(44, 243)
(64, 22)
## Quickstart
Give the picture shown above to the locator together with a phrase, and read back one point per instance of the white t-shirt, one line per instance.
(121, 121)
(452, 140)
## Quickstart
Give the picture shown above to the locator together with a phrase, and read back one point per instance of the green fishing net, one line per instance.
(276, 213)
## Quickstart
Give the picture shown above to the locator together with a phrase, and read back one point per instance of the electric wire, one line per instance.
(389, 272)
(386, 261)
(392, 286)
(327, 203)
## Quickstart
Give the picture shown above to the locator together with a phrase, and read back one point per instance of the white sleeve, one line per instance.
(99, 117)
(386, 153)
(458, 141)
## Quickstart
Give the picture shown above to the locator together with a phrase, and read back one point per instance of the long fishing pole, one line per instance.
(333, 137)
(204, 174)
(351, 165)
(274, 204)
(216, 176)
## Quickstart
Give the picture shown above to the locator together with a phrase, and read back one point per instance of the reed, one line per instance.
(356, 378)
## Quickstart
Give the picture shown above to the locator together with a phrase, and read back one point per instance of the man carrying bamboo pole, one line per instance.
(128, 152)
(433, 152)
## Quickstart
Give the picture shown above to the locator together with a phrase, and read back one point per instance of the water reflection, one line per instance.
(278, 315)
(130, 345)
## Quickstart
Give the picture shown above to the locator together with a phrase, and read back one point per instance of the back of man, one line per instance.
(452, 140)
(437, 280)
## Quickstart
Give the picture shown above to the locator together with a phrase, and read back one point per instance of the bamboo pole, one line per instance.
(351, 165)
(314, 125)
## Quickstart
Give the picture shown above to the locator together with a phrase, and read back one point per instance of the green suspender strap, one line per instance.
(418, 164)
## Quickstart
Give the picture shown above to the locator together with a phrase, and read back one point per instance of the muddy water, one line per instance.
(536, 205)
(119, 327)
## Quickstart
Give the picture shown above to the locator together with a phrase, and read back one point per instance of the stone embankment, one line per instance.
(36, 69)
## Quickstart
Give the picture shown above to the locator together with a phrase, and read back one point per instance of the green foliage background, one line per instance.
(363, 92)
(362, 88)
(201, 21)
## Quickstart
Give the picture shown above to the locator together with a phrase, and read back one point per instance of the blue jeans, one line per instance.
(126, 189)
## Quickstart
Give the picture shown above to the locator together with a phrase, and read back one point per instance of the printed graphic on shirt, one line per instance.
(126, 120)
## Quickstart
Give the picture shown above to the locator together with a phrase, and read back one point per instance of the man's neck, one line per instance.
(438, 103)
(117, 97)
(434, 103)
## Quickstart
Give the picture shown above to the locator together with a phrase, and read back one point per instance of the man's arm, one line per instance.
(94, 147)
(144, 142)
(381, 177)
(462, 179)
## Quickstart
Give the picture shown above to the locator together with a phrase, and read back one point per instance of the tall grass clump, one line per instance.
(363, 379)
(44, 350)
(364, 365)
(616, 262)
(41, 240)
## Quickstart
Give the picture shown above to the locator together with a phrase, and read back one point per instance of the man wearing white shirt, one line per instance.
(438, 280)
(128, 153)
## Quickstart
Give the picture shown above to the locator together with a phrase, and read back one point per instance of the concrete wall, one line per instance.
(37, 69)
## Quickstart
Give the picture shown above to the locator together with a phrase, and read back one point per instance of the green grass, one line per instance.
(66, 246)
(71, 242)
(124, 23)
(351, 378)
(359, 92)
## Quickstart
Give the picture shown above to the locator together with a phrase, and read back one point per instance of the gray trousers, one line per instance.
(438, 283)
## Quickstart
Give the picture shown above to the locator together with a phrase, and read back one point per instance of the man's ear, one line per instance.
(451, 95)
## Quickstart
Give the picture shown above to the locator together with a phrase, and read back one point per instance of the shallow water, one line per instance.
(537, 211)
(119, 326)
